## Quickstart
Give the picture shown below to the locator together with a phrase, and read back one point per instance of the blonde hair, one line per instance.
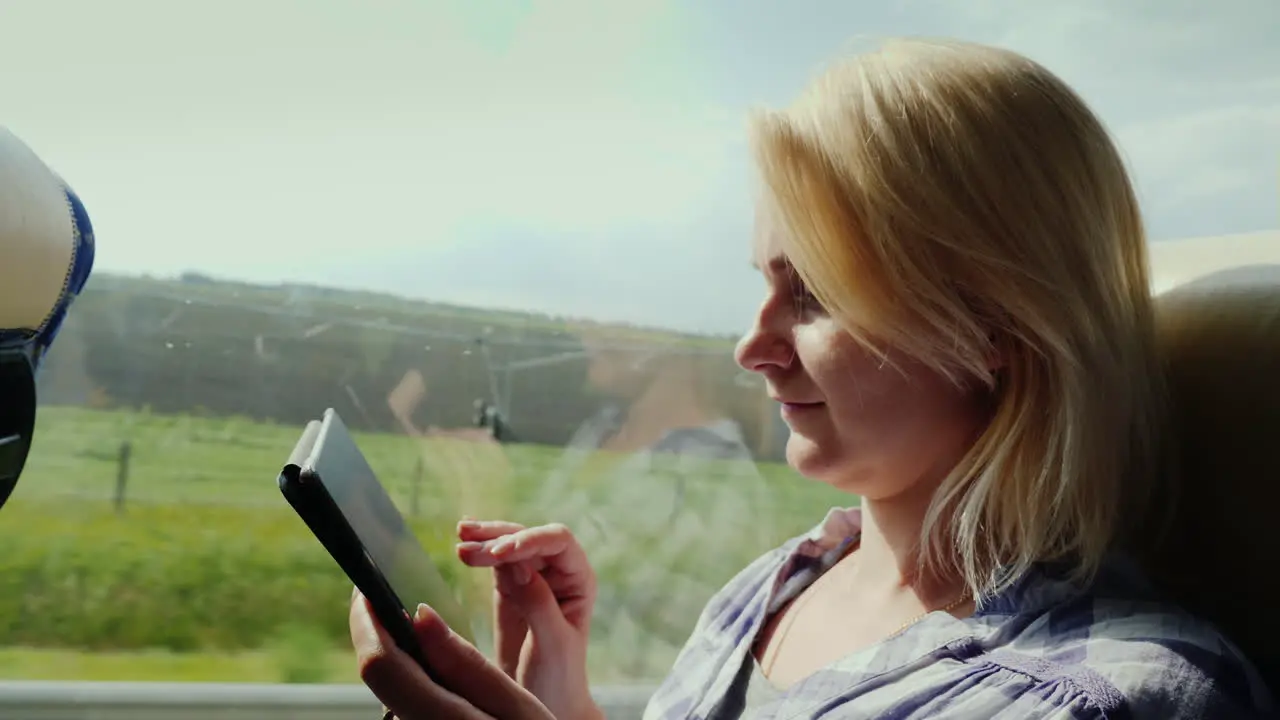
(960, 203)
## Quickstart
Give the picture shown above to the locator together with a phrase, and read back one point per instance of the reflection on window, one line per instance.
(150, 531)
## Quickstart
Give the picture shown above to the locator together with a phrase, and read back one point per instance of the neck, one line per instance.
(889, 552)
(890, 547)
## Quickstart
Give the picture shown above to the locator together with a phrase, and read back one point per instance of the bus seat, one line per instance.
(1220, 338)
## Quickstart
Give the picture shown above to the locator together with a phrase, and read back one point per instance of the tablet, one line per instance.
(333, 489)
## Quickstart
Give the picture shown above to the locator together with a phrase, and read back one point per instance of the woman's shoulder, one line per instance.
(727, 621)
(1122, 646)
(1041, 649)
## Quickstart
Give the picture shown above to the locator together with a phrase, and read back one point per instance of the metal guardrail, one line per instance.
(223, 701)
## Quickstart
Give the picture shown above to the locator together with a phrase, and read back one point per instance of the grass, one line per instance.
(256, 666)
(206, 574)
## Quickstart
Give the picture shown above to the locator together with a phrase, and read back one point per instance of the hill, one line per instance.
(199, 345)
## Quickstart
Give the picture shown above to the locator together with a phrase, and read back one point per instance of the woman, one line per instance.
(958, 326)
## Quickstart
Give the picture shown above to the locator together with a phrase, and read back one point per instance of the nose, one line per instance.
(766, 346)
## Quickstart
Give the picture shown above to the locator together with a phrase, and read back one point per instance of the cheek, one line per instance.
(844, 371)
(874, 405)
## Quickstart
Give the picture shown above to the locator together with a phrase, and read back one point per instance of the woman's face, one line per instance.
(857, 423)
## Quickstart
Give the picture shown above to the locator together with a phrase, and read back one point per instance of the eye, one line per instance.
(806, 301)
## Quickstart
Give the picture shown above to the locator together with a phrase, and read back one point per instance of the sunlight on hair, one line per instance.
(960, 204)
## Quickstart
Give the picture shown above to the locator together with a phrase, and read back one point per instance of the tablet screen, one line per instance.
(373, 516)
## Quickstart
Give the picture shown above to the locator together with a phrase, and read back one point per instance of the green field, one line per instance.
(205, 573)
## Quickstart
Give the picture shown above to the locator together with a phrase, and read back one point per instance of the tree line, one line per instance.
(285, 353)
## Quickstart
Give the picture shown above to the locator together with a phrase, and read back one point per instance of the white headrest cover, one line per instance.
(46, 246)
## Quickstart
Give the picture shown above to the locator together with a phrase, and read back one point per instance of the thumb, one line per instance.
(533, 598)
(465, 673)
(448, 655)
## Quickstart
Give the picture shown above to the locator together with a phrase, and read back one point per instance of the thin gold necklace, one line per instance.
(945, 608)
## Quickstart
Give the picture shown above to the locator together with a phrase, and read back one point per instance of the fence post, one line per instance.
(122, 474)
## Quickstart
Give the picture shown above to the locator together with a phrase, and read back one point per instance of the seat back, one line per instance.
(1220, 337)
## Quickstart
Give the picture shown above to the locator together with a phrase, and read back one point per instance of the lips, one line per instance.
(794, 412)
(796, 408)
(794, 402)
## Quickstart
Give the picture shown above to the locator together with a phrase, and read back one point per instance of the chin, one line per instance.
(827, 463)
(812, 459)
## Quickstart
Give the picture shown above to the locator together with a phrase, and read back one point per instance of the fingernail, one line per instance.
(470, 545)
(421, 613)
(502, 546)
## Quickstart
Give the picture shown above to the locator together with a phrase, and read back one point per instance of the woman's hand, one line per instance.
(545, 590)
(477, 690)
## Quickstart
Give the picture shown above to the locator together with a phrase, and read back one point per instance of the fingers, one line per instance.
(482, 530)
(395, 678)
(465, 671)
(510, 627)
(531, 597)
(554, 543)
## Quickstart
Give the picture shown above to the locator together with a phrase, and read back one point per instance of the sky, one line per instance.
(577, 157)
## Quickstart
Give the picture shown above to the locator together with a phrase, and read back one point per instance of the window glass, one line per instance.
(509, 243)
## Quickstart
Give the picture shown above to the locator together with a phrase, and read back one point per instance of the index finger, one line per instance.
(554, 544)
(481, 530)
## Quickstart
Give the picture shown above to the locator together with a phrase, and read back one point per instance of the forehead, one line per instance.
(767, 243)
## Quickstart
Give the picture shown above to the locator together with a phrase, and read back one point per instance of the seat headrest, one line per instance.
(1220, 338)
(46, 249)
(46, 254)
